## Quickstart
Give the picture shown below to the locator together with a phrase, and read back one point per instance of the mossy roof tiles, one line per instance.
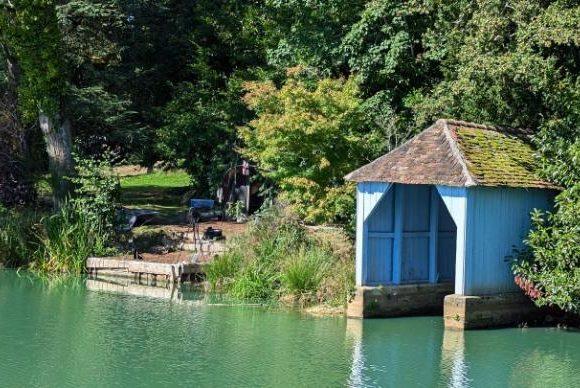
(457, 153)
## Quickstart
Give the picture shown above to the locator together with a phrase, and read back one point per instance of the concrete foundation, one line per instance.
(477, 312)
(398, 301)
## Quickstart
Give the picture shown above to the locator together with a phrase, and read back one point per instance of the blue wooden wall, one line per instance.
(498, 220)
(491, 223)
(407, 237)
(380, 242)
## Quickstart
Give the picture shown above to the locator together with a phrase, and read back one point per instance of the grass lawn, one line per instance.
(175, 178)
(162, 191)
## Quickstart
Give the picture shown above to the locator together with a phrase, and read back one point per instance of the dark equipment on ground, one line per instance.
(213, 234)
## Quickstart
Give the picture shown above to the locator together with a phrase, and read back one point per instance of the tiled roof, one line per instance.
(457, 153)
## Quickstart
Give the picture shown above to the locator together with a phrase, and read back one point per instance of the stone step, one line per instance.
(205, 246)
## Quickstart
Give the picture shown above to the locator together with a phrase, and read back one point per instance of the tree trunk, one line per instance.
(57, 137)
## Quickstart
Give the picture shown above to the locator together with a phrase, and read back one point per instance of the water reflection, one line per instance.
(354, 328)
(454, 369)
(269, 345)
(184, 293)
(419, 352)
(128, 287)
(394, 352)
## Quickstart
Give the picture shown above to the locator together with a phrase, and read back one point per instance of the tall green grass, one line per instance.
(17, 237)
(303, 273)
(66, 239)
(277, 259)
(57, 243)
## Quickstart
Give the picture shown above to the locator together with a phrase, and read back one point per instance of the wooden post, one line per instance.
(398, 233)
(433, 234)
(455, 200)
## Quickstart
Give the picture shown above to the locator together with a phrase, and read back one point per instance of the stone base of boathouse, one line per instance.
(398, 301)
(463, 312)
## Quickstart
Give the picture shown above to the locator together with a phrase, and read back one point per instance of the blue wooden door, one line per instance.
(416, 209)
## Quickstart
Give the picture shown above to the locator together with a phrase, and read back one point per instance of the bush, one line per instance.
(549, 271)
(279, 259)
(84, 225)
(17, 237)
(306, 136)
(96, 191)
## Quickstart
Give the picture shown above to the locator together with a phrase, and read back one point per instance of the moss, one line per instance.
(372, 306)
(499, 159)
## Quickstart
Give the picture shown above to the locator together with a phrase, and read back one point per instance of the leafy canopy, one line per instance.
(307, 135)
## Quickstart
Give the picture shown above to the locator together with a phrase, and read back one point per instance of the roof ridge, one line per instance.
(456, 152)
(462, 123)
(496, 128)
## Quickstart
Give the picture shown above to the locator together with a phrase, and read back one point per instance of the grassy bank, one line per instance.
(161, 191)
(58, 240)
(278, 259)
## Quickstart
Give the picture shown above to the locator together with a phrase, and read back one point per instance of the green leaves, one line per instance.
(30, 30)
(96, 192)
(199, 130)
(552, 262)
(306, 138)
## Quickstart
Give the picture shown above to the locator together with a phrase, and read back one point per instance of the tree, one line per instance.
(98, 100)
(307, 135)
(31, 32)
(15, 185)
(198, 127)
(309, 33)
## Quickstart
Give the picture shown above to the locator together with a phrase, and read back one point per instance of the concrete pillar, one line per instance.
(398, 301)
(462, 312)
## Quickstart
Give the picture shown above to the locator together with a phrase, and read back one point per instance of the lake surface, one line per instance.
(68, 335)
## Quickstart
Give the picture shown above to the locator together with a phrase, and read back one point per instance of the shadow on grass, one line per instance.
(158, 198)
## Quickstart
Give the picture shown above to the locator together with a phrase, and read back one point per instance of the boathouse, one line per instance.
(442, 214)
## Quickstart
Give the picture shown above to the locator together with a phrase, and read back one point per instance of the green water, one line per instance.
(65, 335)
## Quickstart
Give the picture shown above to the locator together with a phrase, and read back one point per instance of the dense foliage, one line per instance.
(201, 84)
(60, 242)
(306, 137)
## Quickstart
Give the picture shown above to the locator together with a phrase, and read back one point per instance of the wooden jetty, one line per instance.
(146, 270)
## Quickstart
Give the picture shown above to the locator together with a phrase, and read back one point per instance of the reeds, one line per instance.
(57, 243)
